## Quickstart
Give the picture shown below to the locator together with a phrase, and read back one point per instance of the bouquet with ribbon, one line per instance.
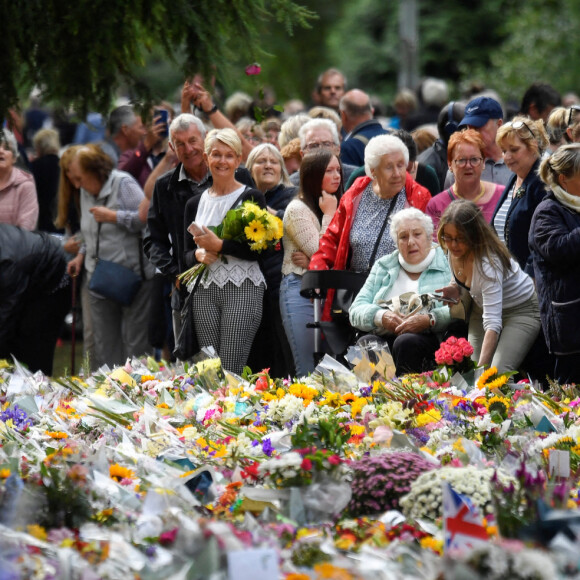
(248, 224)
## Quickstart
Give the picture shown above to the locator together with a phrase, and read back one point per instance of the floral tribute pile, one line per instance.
(151, 472)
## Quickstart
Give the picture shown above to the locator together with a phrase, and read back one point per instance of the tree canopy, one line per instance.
(79, 53)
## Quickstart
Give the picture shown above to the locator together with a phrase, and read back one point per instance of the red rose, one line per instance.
(306, 464)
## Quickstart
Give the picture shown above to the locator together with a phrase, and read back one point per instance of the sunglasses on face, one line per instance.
(572, 108)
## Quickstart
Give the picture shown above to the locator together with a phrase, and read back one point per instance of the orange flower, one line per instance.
(56, 434)
(4, 473)
(118, 472)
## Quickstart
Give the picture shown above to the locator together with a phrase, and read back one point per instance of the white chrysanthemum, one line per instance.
(471, 481)
(285, 409)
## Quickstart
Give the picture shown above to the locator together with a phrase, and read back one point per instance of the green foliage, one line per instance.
(541, 45)
(328, 434)
(79, 53)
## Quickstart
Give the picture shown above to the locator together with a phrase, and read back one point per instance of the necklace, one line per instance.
(459, 270)
(475, 199)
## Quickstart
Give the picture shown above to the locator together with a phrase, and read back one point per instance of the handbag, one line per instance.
(114, 281)
(186, 344)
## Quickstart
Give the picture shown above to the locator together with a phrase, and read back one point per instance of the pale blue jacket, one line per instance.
(381, 280)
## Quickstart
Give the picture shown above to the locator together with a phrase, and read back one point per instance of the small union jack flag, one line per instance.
(463, 524)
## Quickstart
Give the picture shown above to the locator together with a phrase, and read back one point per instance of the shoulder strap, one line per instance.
(139, 241)
(450, 193)
(375, 249)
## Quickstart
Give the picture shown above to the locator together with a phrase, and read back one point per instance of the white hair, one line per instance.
(407, 215)
(317, 124)
(182, 123)
(383, 145)
(290, 128)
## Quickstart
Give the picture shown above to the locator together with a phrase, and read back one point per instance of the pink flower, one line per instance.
(334, 460)
(306, 464)
(253, 69)
(167, 538)
(458, 356)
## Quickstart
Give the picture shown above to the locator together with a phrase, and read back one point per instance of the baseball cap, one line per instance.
(480, 110)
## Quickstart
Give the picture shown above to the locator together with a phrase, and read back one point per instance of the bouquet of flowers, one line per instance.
(455, 353)
(248, 224)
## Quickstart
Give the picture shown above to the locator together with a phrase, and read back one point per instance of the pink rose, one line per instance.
(334, 460)
(306, 464)
(253, 69)
(457, 356)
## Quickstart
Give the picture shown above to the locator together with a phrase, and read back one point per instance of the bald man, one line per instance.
(356, 113)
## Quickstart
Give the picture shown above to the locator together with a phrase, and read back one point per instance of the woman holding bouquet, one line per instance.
(305, 221)
(505, 317)
(227, 304)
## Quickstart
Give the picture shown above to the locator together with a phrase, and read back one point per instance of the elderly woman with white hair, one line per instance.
(416, 267)
(18, 200)
(359, 233)
(227, 305)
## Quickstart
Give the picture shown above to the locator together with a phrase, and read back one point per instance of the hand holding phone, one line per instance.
(442, 298)
(195, 229)
(162, 118)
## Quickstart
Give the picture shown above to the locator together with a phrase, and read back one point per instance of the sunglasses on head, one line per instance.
(572, 108)
(517, 125)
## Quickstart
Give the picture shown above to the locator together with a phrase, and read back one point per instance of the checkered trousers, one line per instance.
(227, 318)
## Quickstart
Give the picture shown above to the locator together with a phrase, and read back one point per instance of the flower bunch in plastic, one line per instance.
(303, 467)
(455, 353)
(425, 499)
(380, 481)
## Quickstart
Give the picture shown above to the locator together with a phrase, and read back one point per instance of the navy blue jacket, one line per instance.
(352, 149)
(555, 247)
(519, 217)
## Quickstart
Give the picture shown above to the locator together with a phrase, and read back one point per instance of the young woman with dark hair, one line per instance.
(305, 221)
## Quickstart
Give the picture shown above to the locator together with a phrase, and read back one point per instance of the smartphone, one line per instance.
(162, 118)
(442, 298)
(195, 230)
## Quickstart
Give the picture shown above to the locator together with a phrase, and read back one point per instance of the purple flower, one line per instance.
(19, 417)
(267, 447)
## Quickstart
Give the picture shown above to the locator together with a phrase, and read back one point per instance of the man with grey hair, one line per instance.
(317, 134)
(163, 242)
(356, 113)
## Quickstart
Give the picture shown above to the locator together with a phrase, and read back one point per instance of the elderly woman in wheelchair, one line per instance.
(396, 301)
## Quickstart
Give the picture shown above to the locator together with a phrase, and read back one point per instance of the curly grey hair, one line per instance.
(383, 145)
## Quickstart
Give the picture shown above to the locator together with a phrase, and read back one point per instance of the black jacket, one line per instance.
(555, 247)
(519, 217)
(31, 264)
(163, 243)
(230, 247)
(278, 199)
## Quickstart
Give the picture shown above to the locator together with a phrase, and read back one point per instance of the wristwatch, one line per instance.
(432, 319)
(212, 110)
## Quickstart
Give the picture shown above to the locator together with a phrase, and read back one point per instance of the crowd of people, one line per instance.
(468, 209)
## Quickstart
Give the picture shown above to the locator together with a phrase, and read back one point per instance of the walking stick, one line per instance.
(74, 324)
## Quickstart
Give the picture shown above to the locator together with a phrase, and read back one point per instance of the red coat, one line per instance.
(334, 247)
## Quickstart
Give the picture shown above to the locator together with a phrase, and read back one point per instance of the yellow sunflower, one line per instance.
(255, 231)
(485, 376)
(118, 472)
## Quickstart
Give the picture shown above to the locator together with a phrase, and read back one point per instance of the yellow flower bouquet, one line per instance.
(248, 224)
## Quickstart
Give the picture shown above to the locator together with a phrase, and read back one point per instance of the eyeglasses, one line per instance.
(473, 161)
(324, 144)
(449, 240)
(572, 108)
(517, 125)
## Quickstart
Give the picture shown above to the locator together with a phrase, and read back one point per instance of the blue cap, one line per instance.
(480, 110)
